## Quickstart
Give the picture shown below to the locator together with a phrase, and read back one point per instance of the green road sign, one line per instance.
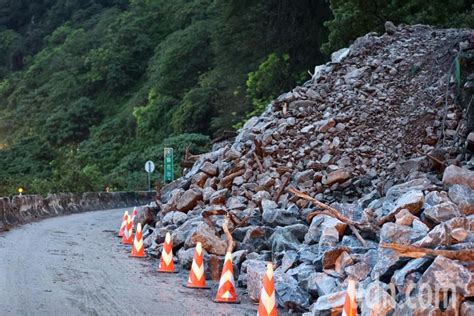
(168, 169)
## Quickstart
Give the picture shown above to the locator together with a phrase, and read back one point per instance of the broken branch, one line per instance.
(329, 210)
(228, 235)
(417, 252)
(282, 188)
(259, 164)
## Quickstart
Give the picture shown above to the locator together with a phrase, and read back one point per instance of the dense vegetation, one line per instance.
(91, 89)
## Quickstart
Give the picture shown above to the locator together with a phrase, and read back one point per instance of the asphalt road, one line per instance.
(75, 265)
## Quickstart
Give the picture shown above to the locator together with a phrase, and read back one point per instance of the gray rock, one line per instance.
(304, 176)
(179, 218)
(377, 301)
(256, 239)
(388, 260)
(236, 203)
(219, 197)
(434, 198)
(390, 28)
(180, 234)
(446, 274)
(411, 201)
(442, 212)
(239, 256)
(256, 269)
(289, 260)
(323, 224)
(208, 238)
(185, 257)
(338, 56)
(358, 271)
(463, 197)
(282, 240)
(279, 217)
(309, 254)
(209, 169)
(320, 284)
(268, 205)
(457, 175)
(298, 230)
(467, 308)
(289, 295)
(188, 200)
(168, 218)
(437, 236)
(416, 265)
(326, 304)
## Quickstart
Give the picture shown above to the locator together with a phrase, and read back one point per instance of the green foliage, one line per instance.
(354, 18)
(72, 124)
(270, 78)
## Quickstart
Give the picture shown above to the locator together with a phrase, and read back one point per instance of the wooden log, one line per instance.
(418, 252)
(281, 189)
(227, 181)
(230, 240)
(259, 164)
(329, 210)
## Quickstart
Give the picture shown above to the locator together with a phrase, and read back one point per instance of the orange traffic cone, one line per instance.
(226, 292)
(137, 248)
(350, 304)
(166, 261)
(267, 305)
(134, 214)
(127, 232)
(197, 279)
(124, 224)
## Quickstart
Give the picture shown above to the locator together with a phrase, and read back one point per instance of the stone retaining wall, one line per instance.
(19, 210)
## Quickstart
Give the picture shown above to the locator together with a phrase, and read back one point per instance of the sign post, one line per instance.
(149, 168)
(168, 167)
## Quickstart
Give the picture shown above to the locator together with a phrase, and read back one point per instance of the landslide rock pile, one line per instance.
(361, 137)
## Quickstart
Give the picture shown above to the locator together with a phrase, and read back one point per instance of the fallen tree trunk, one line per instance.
(417, 252)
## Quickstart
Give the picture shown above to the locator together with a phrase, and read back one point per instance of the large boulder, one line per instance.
(441, 235)
(338, 176)
(256, 238)
(388, 260)
(209, 168)
(446, 275)
(282, 240)
(256, 269)
(463, 196)
(324, 224)
(377, 301)
(458, 175)
(279, 217)
(189, 200)
(320, 284)
(207, 236)
(442, 212)
(414, 266)
(289, 295)
(329, 304)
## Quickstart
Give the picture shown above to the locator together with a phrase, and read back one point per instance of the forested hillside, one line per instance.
(91, 89)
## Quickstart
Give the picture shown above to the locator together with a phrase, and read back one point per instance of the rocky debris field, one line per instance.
(360, 173)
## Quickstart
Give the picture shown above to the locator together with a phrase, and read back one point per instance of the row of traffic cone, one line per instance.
(226, 292)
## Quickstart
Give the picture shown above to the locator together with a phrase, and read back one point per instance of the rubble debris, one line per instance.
(342, 178)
